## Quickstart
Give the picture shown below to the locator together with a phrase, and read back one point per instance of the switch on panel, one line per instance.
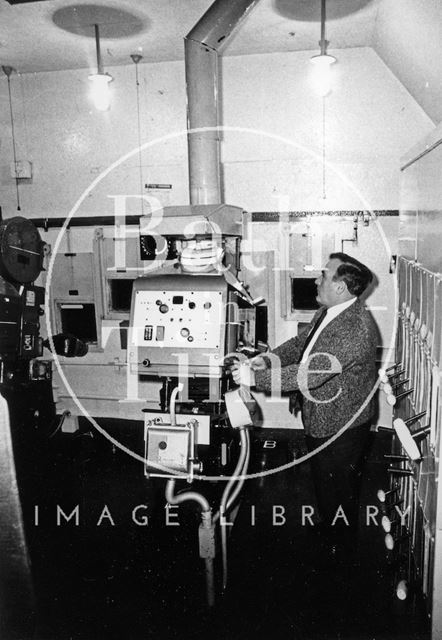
(148, 331)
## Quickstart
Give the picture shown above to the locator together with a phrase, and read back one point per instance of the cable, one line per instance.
(226, 503)
(136, 59)
(183, 497)
(206, 523)
(324, 194)
(172, 403)
(60, 423)
(241, 481)
(239, 471)
(7, 71)
(229, 503)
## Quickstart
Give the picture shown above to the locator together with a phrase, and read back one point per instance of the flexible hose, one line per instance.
(226, 502)
(184, 497)
(239, 469)
(241, 481)
(206, 522)
(172, 402)
(210, 581)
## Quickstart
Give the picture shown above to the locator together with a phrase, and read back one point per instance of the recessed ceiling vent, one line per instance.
(309, 11)
(21, 1)
(114, 22)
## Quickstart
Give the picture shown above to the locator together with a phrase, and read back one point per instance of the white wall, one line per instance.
(371, 120)
(407, 37)
(70, 144)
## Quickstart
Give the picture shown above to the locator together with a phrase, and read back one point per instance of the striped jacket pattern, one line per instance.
(338, 381)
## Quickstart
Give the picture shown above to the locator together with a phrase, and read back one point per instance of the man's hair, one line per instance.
(356, 275)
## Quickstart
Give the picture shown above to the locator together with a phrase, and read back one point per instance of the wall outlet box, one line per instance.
(21, 169)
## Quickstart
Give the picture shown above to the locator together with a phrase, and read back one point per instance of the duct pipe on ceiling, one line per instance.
(202, 45)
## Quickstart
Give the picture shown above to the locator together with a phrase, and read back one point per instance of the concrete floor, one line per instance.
(140, 582)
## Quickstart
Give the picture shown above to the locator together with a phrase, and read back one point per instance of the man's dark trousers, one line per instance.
(337, 471)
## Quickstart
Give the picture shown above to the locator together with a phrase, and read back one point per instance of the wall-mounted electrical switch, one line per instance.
(21, 169)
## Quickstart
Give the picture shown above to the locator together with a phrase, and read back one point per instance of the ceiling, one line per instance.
(59, 34)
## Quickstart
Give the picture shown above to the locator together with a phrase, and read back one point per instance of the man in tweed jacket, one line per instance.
(332, 364)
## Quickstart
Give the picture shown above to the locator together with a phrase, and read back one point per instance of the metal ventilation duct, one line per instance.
(202, 46)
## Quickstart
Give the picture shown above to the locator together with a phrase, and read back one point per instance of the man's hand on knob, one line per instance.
(243, 374)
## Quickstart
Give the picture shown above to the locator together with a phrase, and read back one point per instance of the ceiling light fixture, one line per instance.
(323, 62)
(100, 93)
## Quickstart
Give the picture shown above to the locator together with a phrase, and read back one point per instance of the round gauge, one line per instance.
(185, 332)
(163, 308)
(21, 250)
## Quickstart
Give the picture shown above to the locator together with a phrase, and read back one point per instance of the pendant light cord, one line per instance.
(136, 60)
(7, 71)
(323, 42)
(324, 194)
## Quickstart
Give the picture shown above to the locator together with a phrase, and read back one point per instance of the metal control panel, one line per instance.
(180, 322)
(189, 319)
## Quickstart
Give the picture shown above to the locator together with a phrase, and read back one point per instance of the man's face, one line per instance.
(328, 289)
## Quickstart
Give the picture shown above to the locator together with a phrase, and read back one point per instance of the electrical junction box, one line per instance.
(21, 169)
(202, 428)
(169, 449)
